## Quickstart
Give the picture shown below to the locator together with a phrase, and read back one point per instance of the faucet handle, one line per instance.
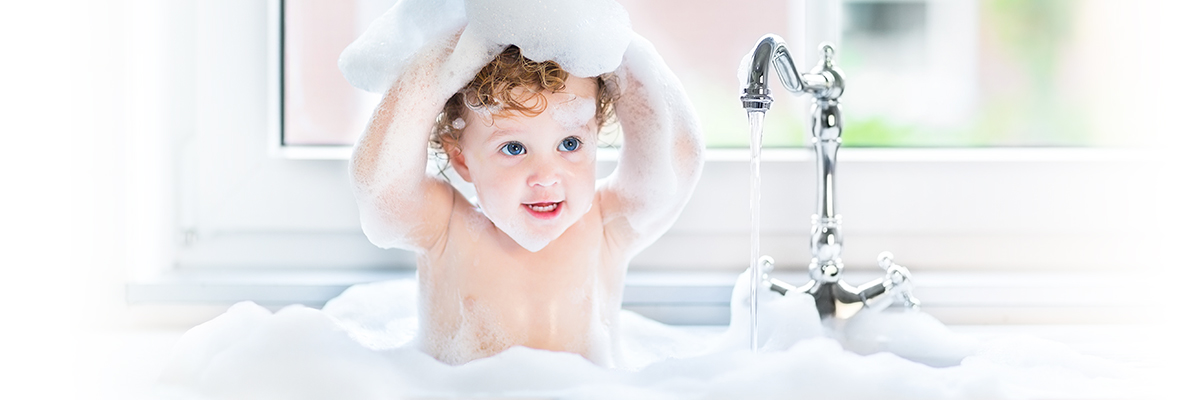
(766, 264)
(898, 278)
(827, 52)
(885, 260)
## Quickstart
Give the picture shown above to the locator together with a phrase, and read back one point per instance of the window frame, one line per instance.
(275, 97)
(219, 233)
(261, 219)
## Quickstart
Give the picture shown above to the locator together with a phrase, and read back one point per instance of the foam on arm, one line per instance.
(400, 205)
(662, 153)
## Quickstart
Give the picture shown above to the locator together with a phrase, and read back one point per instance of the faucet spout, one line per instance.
(755, 95)
(824, 82)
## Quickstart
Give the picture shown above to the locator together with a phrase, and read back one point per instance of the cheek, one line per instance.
(499, 185)
(589, 165)
(585, 179)
(584, 196)
(584, 159)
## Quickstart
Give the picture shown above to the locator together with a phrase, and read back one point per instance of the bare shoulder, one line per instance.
(415, 218)
(469, 223)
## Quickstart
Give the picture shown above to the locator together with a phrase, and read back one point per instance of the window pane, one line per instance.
(920, 73)
(923, 73)
(319, 106)
(703, 42)
(986, 73)
(884, 54)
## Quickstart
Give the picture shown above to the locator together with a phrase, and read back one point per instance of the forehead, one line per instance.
(575, 87)
(582, 87)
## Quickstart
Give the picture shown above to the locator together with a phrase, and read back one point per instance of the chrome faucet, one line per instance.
(834, 297)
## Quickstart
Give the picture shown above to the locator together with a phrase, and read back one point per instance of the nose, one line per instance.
(545, 174)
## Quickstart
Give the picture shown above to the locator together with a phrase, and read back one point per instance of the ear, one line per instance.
(458, 161)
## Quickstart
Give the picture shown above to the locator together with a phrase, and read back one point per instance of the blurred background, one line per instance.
(926, 73)
(1032, 161)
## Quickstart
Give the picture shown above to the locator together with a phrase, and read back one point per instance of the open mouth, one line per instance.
(544, 210)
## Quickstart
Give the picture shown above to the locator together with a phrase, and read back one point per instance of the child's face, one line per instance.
(534, 176)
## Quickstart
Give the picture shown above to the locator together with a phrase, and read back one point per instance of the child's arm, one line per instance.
(662, 153)
(399, 204)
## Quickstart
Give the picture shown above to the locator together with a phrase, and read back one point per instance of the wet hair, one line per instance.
(495, 89)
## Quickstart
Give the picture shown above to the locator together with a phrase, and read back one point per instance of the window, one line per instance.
(237, 206)
(923, 73)
(985, 73)
(321, 109)
(240, 207)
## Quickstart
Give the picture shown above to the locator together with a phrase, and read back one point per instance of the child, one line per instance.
(539, 259)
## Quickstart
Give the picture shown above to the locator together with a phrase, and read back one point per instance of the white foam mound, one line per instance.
(588, 37)
(355, 348)
(374, 60)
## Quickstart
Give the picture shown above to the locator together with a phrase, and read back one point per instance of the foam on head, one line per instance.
(573, 113)
(588, 37)
(374, 60)
(486, 112)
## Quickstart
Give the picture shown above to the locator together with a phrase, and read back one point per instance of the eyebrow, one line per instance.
(497, 133)
(500, 135)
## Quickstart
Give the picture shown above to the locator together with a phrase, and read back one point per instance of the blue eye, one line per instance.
(569, 144)
(513, 148)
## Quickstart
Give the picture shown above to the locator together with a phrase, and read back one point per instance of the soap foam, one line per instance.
(774, 334)
(374, 60)
(590, 37)
(657, 121)
(573, 113)
(587, 38)
(380, 315)
(519, 232)
(302, 353)
(913, 335)
(486, 113)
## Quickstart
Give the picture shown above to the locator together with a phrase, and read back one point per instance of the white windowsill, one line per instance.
(702, 298)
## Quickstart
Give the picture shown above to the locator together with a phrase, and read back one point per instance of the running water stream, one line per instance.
(756, 121)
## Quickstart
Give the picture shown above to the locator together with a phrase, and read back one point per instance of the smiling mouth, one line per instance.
(544, 210)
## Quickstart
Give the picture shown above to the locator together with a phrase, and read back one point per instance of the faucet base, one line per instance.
(838, 299)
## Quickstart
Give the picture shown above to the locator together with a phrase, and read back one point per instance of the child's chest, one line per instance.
(479, 256)
(548, 297)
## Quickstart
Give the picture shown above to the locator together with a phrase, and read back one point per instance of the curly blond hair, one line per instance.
(494, 86)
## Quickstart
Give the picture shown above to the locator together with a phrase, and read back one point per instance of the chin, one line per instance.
(532, 244)
(532, 237)
(535, 235)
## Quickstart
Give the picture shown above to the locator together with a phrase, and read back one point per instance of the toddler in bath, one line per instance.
(538, 258)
